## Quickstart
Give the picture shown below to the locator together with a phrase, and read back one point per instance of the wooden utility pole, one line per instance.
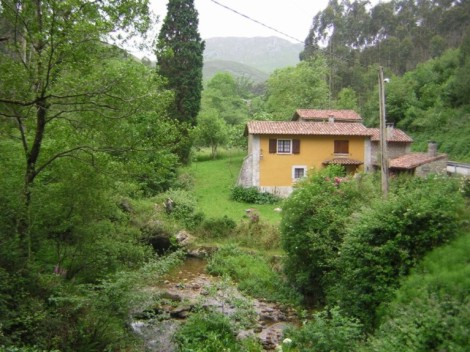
(383, 135)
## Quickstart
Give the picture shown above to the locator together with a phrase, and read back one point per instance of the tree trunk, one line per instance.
(32, 155)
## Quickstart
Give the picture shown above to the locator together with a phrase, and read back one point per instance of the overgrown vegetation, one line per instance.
(89, 164)
(363, 248)
(252, 195)
(253, 273)
(329, 330)
(212, 332)
(431, 310)
(314, 223)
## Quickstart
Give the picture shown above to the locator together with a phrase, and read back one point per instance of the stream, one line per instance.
(188, 287)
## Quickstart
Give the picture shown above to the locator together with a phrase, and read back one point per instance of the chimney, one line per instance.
(331, 118)
(432, 148)
(389, 129)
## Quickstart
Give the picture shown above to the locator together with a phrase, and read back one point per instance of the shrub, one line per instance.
(389, 239)
(207, 331)
(257, 234)
(314, 222)
(217, 227)
(328, 331)
(252, 272)
(431, 310)
(252, 195)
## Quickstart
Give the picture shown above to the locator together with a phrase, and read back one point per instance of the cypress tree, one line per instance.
(180, 58)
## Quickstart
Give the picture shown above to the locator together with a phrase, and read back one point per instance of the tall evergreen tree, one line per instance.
(179, 58)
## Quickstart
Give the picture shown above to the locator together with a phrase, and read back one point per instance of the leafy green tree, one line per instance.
(56, 80)
(347, 99)
(303, 86)
(224, 95)
(211, 131)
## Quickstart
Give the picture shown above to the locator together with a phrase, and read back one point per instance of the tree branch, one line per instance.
(18, 102)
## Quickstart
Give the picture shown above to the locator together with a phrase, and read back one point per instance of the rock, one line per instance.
(258, 329)
(158, 336)
(181, 312)
(126, 206)
(184, 239)
(171, 296)
(201, 252)
(243, 334)
(271, 336)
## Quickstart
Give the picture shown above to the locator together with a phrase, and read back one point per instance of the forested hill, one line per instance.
(263, 53)
(423, 47)
(397, 34)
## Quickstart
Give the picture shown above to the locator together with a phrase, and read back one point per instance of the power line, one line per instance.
(340, 58)
(256, 21)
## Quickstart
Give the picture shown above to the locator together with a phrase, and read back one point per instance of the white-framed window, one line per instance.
(284, 146)
(299, 172)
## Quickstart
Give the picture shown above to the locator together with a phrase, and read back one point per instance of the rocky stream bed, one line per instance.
(189, 288)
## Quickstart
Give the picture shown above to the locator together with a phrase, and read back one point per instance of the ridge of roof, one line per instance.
(393, 135)
(306, 128)
(312, 114)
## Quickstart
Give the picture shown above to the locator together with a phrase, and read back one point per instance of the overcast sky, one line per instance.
(292, 17)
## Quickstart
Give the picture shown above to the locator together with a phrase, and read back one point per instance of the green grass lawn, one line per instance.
(213, 180)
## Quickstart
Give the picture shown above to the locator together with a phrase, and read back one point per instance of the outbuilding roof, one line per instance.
(317, 114)
(413, 160)
(343, 161)
(306, 128)
(393, 135)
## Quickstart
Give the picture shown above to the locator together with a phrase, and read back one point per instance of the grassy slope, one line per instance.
(213, 180)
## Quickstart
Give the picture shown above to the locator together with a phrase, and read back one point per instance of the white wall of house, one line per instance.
(367, 155)
(249, 173)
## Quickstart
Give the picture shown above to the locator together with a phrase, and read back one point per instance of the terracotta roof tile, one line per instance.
(343, 161)
(413, 160)
(316, 114)
(396, 135)
(306, 128)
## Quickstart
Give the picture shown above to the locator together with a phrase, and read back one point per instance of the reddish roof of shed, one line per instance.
(413, 160)
(393, 135)
(306, 128)
(343, 161)
(316, 114)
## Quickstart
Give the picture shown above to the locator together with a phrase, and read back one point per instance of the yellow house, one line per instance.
(281, 152)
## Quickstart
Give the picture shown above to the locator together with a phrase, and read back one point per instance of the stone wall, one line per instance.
(435, 167)
(394, 151)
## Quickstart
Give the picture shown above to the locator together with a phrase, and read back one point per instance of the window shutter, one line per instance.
(272, 145)
(341, 147)
(296, 146)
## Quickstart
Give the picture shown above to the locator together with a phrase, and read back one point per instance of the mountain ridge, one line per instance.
(263, 54)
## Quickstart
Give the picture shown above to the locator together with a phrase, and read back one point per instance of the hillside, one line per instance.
(234, 68)
(263, 53)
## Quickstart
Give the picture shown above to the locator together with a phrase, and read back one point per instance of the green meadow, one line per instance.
(213, 181)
